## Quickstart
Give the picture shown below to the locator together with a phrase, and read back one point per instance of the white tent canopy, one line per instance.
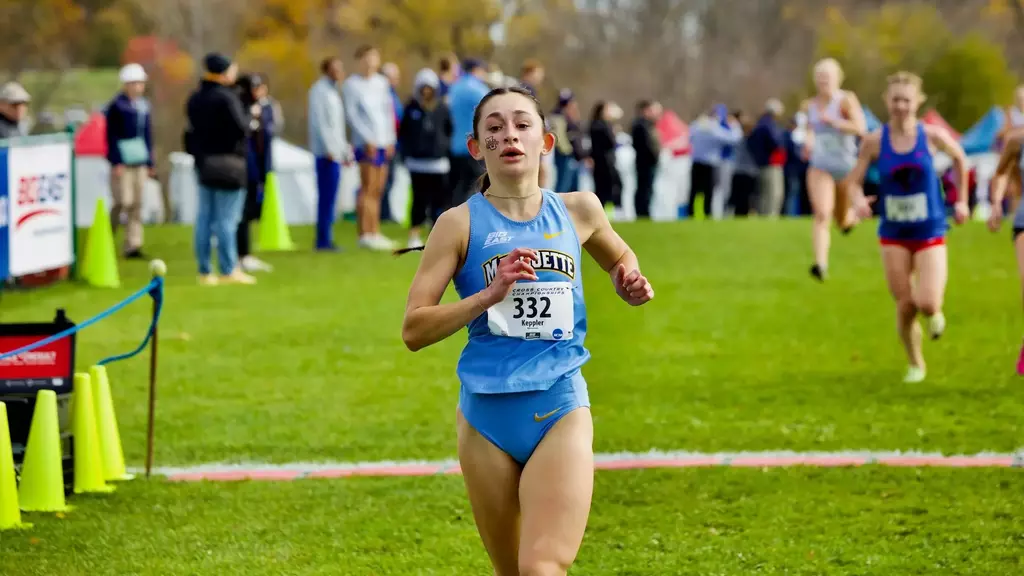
(295, 168)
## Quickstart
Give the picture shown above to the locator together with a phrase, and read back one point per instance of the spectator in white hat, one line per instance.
(130, 153)
(14, 100)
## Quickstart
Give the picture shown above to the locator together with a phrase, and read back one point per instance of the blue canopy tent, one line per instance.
(981, 137)
(871, 120)
(873, 123)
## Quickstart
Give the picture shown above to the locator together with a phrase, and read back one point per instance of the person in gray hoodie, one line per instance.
(329, 145)
(423, 135)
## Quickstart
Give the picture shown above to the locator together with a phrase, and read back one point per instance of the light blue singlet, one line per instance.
(520, 369)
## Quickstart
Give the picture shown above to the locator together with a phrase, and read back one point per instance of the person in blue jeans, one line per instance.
(329, 146)
(218, 129)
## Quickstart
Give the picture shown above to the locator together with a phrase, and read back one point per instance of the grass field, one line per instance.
(83, 87)
(739, 351)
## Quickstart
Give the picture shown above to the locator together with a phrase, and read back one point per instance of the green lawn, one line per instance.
(739, 351)
(83, 87)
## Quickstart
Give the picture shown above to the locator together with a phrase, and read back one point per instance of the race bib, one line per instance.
(534, 311)
(912, 208)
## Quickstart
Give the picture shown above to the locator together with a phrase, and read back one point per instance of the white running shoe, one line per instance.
(937, 325)
(914, 375)
(253, 264)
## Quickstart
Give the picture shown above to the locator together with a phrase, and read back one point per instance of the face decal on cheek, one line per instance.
(492, 143)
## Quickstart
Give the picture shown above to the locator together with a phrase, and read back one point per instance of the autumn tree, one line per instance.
(39, 34)
(964, 73)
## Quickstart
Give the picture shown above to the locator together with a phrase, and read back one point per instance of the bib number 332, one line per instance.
(534, 311)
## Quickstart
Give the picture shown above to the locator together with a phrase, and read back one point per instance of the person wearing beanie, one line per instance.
(216, 137)
(423, 135)
(130, 153)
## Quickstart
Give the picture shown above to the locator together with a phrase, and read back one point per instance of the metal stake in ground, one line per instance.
(159, 269)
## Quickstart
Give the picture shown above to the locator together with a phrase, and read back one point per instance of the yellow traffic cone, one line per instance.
(106, 424)
(42, 475)
(99, 264)
(10, 514)
(274, 235)
(88, 463)
(698, 208)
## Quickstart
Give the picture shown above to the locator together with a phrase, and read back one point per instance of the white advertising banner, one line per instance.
(40, 227)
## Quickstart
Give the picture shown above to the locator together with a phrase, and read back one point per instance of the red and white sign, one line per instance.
(48, 366)
(40, 226)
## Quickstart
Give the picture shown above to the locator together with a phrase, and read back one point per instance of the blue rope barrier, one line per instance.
(154, 289)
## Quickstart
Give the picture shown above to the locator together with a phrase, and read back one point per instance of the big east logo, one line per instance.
(37, 194)
(551, 260)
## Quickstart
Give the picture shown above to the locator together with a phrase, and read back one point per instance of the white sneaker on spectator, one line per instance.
(385, 243)
(376, 242)
(237, 277)
(251, 263)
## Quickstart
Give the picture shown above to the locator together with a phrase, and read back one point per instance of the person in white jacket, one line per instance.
(369, 110)
(328, 144)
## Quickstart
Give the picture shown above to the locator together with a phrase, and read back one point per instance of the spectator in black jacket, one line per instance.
(647, 147)
(252, 88)
(607, 182)
(217, 136)
(423, 136)
(797, 201)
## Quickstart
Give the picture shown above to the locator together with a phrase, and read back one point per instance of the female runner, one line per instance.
(913, 223)
(1011, 165)
(836, 120)
(525, 434)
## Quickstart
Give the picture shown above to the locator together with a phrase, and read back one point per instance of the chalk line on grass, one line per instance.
(607, 461)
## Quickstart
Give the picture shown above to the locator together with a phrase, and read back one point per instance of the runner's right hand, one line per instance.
(513, 267)
(862, 207)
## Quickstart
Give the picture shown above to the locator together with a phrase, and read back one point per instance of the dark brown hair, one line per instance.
(530, 65)
(364, 49)
(447, 63)
(485, 181)
(326, 63)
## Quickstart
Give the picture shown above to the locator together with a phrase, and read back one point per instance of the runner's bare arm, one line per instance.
(1008, 160)
(945, 142)
(854, 123)
(427, 321)
(606, 247)
(808, 144)
(854, 182)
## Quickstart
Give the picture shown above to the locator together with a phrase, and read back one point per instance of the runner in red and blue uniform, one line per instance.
(913, 222)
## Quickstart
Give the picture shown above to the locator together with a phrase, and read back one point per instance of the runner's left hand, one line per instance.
(632, 287)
